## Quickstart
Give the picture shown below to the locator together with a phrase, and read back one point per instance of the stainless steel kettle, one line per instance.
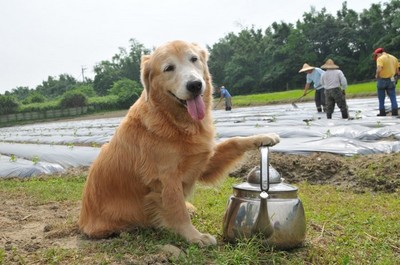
(266, 206)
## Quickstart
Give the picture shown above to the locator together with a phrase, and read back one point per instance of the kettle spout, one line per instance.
(263, 224)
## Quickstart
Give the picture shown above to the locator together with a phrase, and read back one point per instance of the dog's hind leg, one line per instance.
(231, 151)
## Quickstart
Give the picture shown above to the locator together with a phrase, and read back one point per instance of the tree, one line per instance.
(128, 91)
(34, 97)
(72, 99)
(54, 87)
(122, 65)
(20, 92)
(8, 104)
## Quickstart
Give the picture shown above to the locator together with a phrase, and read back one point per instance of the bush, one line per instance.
(128, 91)
(109, 102)
(8, 104)
(72, 99)
(48, 105)
(34, 97)
(87, 90)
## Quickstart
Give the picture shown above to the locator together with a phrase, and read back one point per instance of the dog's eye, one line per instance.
(193, 59)
(169, 68)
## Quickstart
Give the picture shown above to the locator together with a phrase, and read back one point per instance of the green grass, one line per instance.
(342, 228)
(46, 189)
(359, 90)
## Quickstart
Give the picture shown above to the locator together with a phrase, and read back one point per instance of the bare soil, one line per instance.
(32, 228)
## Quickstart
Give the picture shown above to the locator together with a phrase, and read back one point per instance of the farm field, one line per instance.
(346, 171)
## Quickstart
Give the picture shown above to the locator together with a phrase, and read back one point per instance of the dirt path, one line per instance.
(28, 226)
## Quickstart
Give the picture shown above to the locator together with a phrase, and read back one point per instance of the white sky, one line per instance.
(41, 38)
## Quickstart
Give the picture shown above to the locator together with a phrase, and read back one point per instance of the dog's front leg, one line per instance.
(231, 151)
(176, 216)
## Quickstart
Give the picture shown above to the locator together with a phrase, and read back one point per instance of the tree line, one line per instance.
(254, 60)
(250, 61)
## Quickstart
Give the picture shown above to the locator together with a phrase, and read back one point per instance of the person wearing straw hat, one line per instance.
(335, 84)
(386, 69)
(227, 96)
(314, 76)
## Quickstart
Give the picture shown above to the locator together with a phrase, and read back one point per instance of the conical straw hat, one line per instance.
(306, 67)
(329, 65)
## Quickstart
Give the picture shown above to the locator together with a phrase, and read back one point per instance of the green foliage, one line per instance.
(47, 105)
(72, 99)
(34, 97)
(123, 65)
(8, 104)
(20, 93)
(253, 61)
(54, 87)
(86, 89)
(109, 102)
(128, 91)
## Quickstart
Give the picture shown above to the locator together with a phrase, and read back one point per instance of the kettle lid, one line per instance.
(254, 176)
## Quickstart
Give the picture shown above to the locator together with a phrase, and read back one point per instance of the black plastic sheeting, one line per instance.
(47, 148)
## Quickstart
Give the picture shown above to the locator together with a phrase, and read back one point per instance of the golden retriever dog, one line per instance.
(164, 145)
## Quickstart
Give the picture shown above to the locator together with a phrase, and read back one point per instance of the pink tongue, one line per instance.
(196, 108)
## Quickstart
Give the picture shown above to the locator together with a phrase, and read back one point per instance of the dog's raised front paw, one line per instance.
(270, 139)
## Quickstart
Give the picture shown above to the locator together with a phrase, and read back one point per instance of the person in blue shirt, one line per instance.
(228, 98)
(314, 76)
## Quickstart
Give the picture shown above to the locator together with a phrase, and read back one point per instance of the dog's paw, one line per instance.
(204, 240)
(270, 139)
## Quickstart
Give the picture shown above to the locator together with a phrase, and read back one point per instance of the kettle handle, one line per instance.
(264, 168)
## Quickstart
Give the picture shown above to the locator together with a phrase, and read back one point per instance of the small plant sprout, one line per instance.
(308, 121)
(70, 145)
(13, 158)
(378, 124)
(358, 115)
(327, 134)
(35, 159)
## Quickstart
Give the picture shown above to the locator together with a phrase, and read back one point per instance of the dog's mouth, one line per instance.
(195, 106)
(181, 101)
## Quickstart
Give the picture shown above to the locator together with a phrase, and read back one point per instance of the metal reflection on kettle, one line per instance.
(267, 207)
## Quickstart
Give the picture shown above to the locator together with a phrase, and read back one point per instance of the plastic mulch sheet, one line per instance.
(52, 147)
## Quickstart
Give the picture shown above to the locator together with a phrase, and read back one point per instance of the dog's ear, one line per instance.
(145, 74)
(202, 51)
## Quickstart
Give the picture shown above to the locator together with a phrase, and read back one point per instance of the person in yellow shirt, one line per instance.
(386, 69)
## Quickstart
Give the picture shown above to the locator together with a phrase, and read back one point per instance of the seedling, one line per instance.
(35, 159)
(13, 158)
(327, 134)
(358, 115)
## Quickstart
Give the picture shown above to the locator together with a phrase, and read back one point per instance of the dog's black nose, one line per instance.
(194, 87)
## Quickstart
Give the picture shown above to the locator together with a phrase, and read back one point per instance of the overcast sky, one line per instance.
(41, 38)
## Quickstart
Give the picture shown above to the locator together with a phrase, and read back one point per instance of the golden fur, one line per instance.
(162, 147)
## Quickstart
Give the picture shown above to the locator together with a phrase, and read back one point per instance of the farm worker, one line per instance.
(314, 76)
(228, 98)
(335, 84)
(386, 68)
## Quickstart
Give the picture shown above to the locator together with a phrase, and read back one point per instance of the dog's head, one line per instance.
(176, 75)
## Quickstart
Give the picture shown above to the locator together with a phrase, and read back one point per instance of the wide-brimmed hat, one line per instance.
(329, 64)
(306, 67)
(377, 51)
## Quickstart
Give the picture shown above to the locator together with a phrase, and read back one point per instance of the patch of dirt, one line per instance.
(29, 230)
(378, 172)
